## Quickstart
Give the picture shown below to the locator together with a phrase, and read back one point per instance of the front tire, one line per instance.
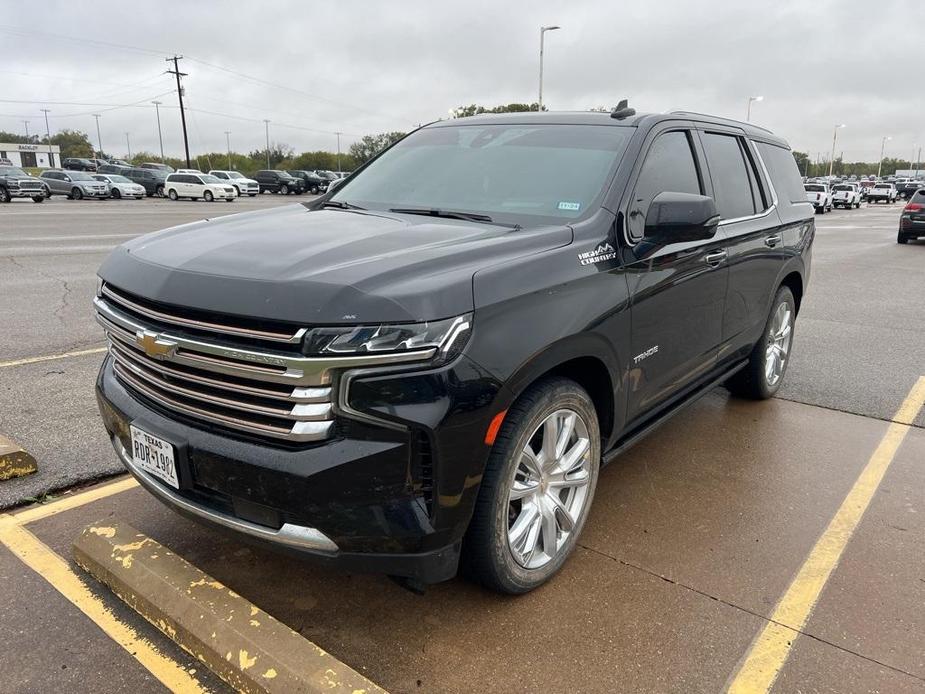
(208, 197)
(172, 194)
(38, 198)
(77, 194)
(284, 189)
(5, 196)
(537, 489)
(116, 194)
(762, 376)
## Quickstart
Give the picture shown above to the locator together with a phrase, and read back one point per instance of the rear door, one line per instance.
(677, 289)
(752, 229)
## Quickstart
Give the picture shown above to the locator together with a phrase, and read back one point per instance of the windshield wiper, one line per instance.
(341, 205)
(446, 214)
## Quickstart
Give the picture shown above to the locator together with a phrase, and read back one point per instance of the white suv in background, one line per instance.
(244, 185)
(195, 186)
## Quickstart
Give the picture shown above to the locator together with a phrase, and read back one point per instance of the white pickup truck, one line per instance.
(820, 195)
(846, 195)
(882, 191)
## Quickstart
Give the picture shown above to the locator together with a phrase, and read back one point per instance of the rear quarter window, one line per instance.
(785, 176)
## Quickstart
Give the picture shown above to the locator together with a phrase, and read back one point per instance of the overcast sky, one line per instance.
(364, 67)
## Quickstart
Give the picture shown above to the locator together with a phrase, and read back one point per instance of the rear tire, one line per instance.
(902, 238)
(159, 191)
(537, 489)
(767, 364)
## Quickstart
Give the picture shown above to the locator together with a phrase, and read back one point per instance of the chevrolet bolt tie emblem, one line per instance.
(154, 345)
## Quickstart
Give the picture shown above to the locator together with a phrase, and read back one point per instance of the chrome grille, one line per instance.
(265, 391)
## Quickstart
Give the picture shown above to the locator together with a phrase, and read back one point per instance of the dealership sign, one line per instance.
(28, 148)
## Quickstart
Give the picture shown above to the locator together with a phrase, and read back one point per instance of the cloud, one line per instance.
(361, 67)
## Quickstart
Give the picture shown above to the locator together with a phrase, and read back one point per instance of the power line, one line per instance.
(26, 33)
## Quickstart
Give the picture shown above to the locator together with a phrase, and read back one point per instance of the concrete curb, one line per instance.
(246, 647)
(14, 460)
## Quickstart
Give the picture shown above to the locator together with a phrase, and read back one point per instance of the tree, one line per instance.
(73, 143)
(279, 152)
(802, 160)
(18, 139)
(474, 110)
(370, 145)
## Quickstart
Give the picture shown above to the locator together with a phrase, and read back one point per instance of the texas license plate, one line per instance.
(154, 456)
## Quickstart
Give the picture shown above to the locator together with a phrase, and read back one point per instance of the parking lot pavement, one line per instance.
(695, 535)
(691, 543)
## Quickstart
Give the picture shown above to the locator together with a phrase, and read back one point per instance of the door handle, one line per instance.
(715, 258)
(773, 240)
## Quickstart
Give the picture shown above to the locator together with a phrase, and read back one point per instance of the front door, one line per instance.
(677, 289)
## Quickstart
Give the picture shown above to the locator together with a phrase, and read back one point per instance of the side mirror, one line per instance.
(678, 217)
(335, 183)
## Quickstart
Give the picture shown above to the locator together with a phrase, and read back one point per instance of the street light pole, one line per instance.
(51, 157)
(543, 31)
(338, 151)
(26, 123)
(128, 145)
(882, 145)
(267, 124)
(99, 137)
(834, 138)
(748, 109)
(228, 142)
(160, 137)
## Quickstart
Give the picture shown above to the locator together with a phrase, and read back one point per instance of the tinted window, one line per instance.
(512, 172)
(785, 176)
(731, 187)
(669, 166)
(814, 188)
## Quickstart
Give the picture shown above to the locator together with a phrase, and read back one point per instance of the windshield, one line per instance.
(206, 178)
(233, 174)
(330, 175)
(116, 179)
(815, 188)
(80, 176)
(511, 172)
(12, 171)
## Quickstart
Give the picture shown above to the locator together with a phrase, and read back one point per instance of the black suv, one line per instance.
(78, 164)
(152, 180)
(313, 183)
(280, 182)
(426, 368)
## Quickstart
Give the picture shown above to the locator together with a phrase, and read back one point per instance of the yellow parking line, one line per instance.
(51, 357)
(68, 502)
(769, 651)
(51, 567)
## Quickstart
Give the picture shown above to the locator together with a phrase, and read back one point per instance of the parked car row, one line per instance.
(848, 195)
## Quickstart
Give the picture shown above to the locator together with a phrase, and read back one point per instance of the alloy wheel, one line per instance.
(549, 490)
(778, 349)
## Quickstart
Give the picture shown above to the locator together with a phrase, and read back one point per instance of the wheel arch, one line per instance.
(586, 359)
(794, 281)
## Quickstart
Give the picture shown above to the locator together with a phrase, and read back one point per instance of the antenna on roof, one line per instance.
(623, 110)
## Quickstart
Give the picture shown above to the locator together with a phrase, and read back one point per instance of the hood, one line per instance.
(322, 266)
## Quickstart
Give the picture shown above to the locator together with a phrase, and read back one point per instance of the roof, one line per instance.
(599, 118)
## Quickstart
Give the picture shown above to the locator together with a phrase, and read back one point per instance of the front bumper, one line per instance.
(391, 492)
(19, 193)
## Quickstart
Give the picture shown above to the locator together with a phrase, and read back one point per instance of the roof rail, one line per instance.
(720, 118)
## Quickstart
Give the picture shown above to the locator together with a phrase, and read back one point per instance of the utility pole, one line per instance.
(543, 31)
(228, 142)
(267, 123)
(882, 145)
(99, 138)
(178, 74)
(160, 138)
(51, 157)
(26, 123)
(128, 146)
(834, 138)
(338, 151)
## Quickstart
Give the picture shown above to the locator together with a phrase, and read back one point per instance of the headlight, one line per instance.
(447, 336)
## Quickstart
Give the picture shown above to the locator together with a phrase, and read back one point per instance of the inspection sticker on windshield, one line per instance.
(571, 206)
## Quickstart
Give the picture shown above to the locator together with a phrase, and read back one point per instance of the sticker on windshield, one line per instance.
(571, 206)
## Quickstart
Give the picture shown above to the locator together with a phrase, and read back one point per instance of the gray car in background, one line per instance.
(76, 185)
